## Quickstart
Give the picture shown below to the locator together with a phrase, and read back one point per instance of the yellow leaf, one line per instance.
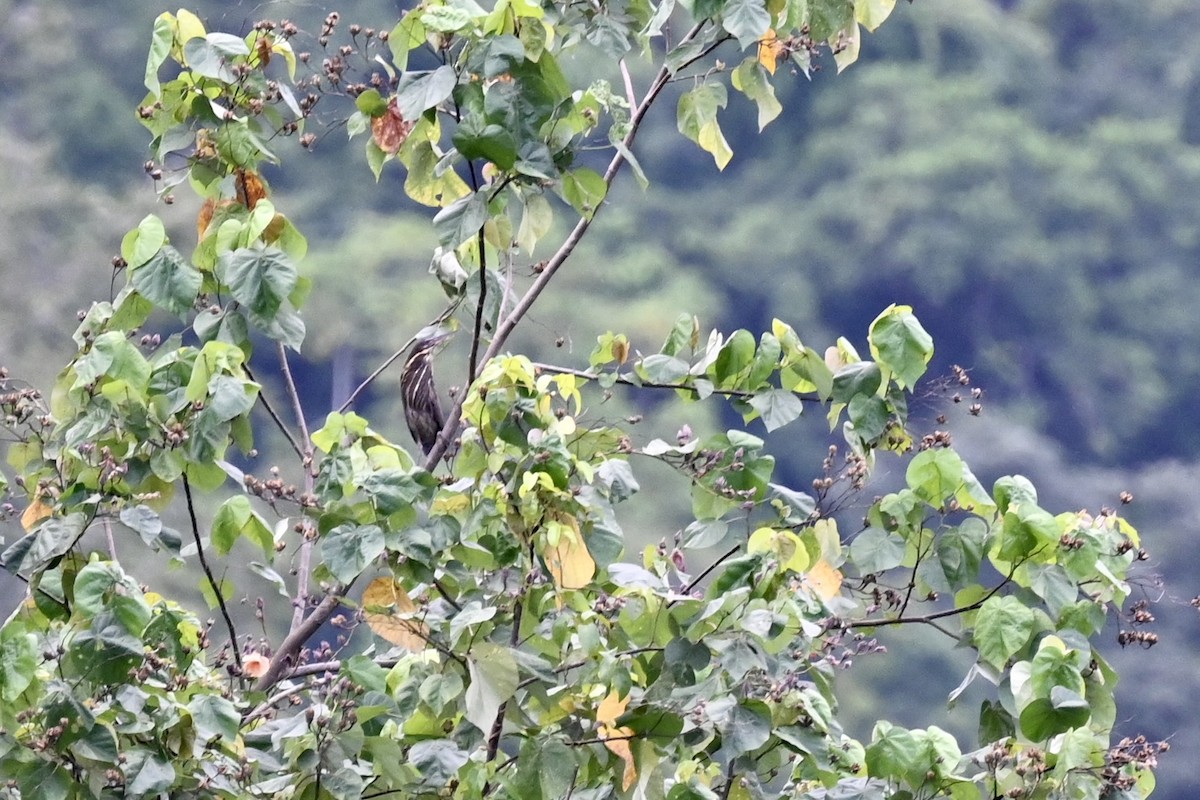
(395, 624)
(568, 559)
(785, 545)
(769, 50)
(824, 579)
(607, 712)
(872, 13)
(35, 513)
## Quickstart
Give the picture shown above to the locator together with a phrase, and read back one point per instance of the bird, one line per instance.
(422, 411)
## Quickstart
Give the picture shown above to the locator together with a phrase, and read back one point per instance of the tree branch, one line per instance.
(208, 573)
(306, 463)
(283, 655)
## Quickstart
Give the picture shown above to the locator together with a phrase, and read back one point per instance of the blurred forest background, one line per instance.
(1024, 173)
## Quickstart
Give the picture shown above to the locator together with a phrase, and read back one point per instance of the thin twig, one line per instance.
(629, 95)
(387, 362)
(208, 573)
(262, 398)
(477, 334)
(696, 580)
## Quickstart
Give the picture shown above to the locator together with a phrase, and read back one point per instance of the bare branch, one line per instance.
(208, 574)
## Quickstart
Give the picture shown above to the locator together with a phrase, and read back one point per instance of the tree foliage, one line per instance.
(519, 646)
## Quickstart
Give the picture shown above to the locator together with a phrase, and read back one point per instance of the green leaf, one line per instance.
(748, 20)
(869, 415)
(877, 550)
(146, 774)
(235, 519)
(419, 91)
(349, 549)
(1044, 718)
(477, 138)
(696, 118)
(437, 761)
(584, 189)
(934, 475)
(52, 538)
(747, 728)
(659, 368)
(168, 281)
(141, 243)
(260, 278)
(895, 753)
(1026, 530)
(753, 80)
(960, 552)
(160, 47)
(214, 717)
(1003, 626)
(371, 103)
(900, 343)
(462, 220)
(494, 678)
(777, 407)
(859, 378)
(18, 659)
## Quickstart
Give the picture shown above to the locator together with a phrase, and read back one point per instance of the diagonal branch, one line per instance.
(306, 462)
(212, 579)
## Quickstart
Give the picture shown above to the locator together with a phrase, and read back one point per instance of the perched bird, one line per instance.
(422, 411)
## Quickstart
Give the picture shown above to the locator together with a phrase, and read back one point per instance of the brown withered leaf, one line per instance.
(250, 188)
(388, 608)
(391, 129)
(204, 218)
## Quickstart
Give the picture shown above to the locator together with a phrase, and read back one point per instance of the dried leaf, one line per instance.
(390, 130)
(395, 624)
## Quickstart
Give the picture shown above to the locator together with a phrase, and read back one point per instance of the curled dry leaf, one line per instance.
(391, 129)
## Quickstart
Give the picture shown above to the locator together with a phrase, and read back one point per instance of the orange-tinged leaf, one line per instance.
(570, 563)
(35, 513)
(394, 623)
(770, 50)
(391, 129)
(607, 712)
(250, 188)
(824, 579)
(204, 218)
